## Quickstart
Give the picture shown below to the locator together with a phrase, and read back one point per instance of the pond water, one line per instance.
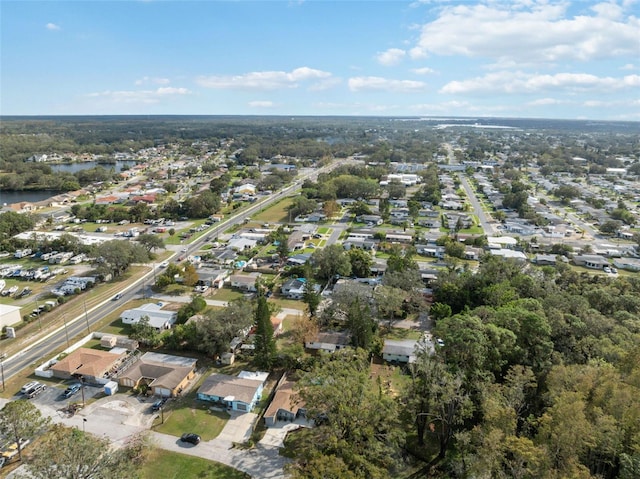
(10, 197)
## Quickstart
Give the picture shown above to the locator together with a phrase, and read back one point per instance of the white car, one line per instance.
(184, 250)
(164, 264)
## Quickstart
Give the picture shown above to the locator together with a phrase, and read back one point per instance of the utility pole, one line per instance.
(86, 316)
(2, 357)
(66, 333)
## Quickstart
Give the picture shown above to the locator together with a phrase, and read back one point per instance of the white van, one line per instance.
(27, 387)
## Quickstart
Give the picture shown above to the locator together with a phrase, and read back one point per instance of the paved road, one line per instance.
(477, 207)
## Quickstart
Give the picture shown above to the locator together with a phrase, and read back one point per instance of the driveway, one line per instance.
(261, 461)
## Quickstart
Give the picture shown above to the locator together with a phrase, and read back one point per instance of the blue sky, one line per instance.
(515, 58)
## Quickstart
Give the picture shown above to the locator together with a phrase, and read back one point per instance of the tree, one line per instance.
(311, 296)
(264, 342)
(439, 311)
(114, 257)
(389, 302)
(437, 400)
(359, 438)
(220, 326)
(190, 275)
(361, 324)
(139, 212)
(145, 333)
(21, 420)
(331, 261)
(150, 242)
(330, 208)
(361, 262)
(69, 453)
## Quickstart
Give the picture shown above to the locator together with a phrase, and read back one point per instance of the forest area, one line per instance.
(538, 377)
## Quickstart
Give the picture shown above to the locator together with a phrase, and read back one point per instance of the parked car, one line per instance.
(156, 406)
(190, 438)
(28, 387)
(37, 389)
(71, 390)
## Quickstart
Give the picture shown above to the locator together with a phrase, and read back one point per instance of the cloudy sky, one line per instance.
(515, 58)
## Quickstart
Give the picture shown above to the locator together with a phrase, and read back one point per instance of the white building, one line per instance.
(9, 315)
(158, 318)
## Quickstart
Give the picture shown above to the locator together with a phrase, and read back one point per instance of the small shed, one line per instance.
(111, 388)
(227, 358)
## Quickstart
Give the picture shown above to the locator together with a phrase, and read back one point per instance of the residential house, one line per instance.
(399, 351)
(592, 261)
(630, 264)
(329, 342)
(166, 375)
(246, 189)
(245, 282)
(545, 259)
(295, 288)
(237, 393)
(211, 277)
(399, 238)
(241, 244)
(91, 364)
(158, 318)
(285, 406)
(370, 219)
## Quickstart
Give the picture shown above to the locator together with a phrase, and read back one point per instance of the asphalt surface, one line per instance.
(477, 207)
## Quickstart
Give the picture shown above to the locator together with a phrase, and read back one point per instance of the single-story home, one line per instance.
(165, 374)
(630, 264)
(241, 244)
(399, 351)
(295, 288)
(92, 364)
(592, 261)
(545, 259)
(329, 342)
(158, 318)
(284, 406)
(245, 282)
(238, 393)
(211, 277)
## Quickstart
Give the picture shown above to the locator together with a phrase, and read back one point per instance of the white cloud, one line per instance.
(266, 80)
(385, 84)
(140, 96)
(391, 57)
(535, 31)
(53, 27)
(423, 71)
(545, 102)
(519, 82)
(261, 104)
(629, 66)
(153, 81)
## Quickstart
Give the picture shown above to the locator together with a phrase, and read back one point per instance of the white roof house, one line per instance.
(158, 318)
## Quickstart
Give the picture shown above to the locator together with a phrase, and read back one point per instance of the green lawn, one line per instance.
(277, 213)
(323, 230)
(173, 465)
(194, 417)
(225, 294)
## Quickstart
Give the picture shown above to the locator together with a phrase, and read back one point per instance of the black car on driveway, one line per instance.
(190, 438)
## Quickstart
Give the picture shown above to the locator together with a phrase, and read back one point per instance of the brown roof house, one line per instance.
(285, 406)
(92, 364)
(164, 374)
(237, 393)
